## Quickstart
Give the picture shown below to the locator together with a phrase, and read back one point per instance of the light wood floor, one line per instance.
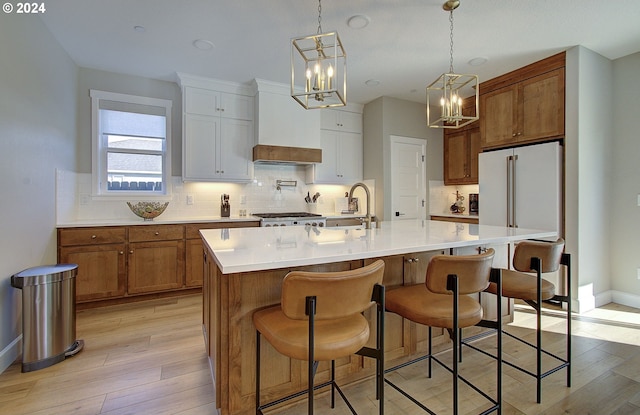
(148, 358)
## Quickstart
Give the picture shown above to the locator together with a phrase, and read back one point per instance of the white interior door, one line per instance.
(408, 178)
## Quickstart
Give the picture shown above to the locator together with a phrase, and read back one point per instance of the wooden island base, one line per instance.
(229, 303)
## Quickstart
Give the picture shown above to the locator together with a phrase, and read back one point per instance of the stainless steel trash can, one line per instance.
(48, 314)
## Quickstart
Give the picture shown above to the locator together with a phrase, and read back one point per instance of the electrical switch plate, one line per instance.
(243, 199)
(84, 199)
(189, 199)
(638, 271)
(638, 200)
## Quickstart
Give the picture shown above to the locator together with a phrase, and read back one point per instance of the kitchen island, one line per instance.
(244, 269)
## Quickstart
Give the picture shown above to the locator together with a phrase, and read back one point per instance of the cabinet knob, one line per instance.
(416, 259)
(121, 252)
(131, 252)
(410, 260)
(157, 233)
(93, 236)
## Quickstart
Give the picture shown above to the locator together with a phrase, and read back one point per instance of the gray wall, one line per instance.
(38, 90)
(383, 118)
(588, 148)
(625, 178)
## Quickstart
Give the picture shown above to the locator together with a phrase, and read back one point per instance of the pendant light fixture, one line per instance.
(319, 64)
(447, 94)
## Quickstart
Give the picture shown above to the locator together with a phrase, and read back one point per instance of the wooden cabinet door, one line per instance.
(195, 263)
(101, 270)
(461, 149)
(541, 100)
(474, 150)
(455, 157)
(155, 266)
(499, 116)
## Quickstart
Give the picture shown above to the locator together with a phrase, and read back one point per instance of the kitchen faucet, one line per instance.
(366, 190)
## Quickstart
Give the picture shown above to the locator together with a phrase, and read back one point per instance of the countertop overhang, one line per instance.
(258, 249)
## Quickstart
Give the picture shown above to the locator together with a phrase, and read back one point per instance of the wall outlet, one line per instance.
(638, 272)
(189, 199)
(638, 200)
(243, 199)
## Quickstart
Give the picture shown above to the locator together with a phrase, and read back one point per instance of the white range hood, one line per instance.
(285, 131)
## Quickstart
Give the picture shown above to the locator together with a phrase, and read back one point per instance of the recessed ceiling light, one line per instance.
(203, 44)
(139, 29)
(359, 21)
(372, 82)
(480, 60)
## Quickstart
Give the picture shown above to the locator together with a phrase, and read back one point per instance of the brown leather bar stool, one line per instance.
(320, 319)
(531, 260)
(444, 302)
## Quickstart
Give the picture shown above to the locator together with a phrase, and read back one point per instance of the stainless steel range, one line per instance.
(291, 219)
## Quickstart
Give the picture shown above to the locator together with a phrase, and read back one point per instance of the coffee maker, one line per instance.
(473, 203)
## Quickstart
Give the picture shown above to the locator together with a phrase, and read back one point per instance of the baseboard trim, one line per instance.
(630, 300)
(9, 354)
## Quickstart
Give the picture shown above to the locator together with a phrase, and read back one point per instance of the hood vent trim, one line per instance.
(267, 154)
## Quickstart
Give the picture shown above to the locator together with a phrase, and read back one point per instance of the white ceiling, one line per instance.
(405, 46)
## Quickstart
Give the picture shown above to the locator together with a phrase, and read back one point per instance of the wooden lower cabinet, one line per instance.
(100, 255)
(101, 270)
(122, 263)
(229, 301)
(155, 266)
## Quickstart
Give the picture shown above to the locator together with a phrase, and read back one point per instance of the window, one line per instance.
(131, 144)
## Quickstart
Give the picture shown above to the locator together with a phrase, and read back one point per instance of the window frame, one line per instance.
(99, 150)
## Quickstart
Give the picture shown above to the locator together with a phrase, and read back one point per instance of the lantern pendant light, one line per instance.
(446, 95)
(319, 63)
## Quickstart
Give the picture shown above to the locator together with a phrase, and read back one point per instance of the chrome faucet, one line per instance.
(366, 190)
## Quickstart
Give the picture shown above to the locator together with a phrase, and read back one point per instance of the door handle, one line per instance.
(399, 214)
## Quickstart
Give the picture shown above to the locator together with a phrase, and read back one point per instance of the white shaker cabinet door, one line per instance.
(235, 146)
(199, 147)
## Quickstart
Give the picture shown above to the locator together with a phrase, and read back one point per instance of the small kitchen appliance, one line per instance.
(473, 204)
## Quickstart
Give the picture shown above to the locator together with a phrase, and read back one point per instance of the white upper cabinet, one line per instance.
(342, 149)
(218, 131)
(341, 121)
(218, 104)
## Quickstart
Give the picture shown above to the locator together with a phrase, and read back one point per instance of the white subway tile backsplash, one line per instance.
(74, 201)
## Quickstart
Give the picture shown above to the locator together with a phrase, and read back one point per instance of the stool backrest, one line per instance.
(338, 294)
(550, 254)
(473, 272)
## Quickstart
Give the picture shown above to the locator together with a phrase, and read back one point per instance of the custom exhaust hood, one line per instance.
(264, 153)
(286, 133)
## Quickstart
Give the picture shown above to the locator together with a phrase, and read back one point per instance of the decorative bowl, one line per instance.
(148, 210)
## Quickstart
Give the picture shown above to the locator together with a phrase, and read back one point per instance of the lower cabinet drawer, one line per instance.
(155, 233)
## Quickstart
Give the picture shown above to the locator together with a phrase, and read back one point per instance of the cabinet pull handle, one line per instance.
(93, 236)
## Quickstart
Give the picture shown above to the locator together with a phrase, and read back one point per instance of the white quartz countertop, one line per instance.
(256, 249)
(157, 221)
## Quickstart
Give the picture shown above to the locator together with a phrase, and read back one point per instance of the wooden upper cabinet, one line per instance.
(461, 148)
(526, 105)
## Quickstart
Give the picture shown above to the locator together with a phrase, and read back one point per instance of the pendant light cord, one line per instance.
(319, 16)
(451, 42)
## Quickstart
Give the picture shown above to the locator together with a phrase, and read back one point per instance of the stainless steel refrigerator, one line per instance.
(522, 187)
